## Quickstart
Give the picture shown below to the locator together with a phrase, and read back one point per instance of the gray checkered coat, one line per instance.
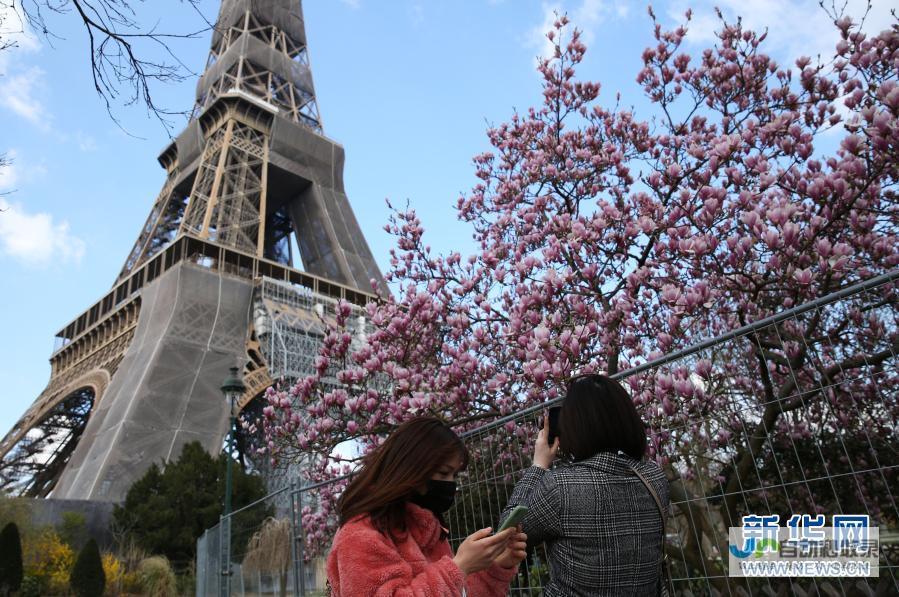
(600, 524)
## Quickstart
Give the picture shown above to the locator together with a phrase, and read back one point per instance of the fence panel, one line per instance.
(202, 554)
(794, 415)
(312, 548)
(498, 453)
(262, 561)
(209, 568)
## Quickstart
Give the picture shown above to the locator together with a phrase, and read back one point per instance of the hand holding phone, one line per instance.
(545, 449)
(517, 515)
(552, 418)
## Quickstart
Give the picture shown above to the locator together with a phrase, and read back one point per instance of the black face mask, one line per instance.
(439, 497)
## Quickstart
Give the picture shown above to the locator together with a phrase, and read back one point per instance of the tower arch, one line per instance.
(34, 461)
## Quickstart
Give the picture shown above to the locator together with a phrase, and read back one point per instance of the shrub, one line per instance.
(131, 583)
(32, 586)
(11, 572)
(268, 550)
(157, 578)
(87, 578)
(130, 556)
(114, 571)
(48, 561)
(73, 528)
(187, 581)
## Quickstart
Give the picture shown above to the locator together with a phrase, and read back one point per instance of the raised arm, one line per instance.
(538, 492)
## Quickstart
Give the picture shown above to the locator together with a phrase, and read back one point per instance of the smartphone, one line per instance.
(553, 424)
(517, 515)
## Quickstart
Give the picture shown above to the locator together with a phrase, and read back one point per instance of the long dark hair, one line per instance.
(396, 470)
(597, 416)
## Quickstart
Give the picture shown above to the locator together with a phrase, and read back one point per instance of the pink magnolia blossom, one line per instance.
(606, 238)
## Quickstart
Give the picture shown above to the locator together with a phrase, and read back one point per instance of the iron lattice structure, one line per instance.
(252, 188)
(289, 326)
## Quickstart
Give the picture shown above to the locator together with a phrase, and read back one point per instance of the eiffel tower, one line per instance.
(251, 185)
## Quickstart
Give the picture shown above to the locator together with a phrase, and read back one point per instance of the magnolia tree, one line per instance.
(606, 239)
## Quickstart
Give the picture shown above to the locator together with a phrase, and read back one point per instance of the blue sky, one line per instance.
(407, 86)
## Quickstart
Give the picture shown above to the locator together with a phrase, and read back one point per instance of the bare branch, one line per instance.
(119, 46)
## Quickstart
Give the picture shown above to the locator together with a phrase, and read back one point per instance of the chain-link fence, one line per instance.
(209, 562)
(255, 551)
(794, 414)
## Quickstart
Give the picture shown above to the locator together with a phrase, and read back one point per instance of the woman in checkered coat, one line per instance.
(595, 510)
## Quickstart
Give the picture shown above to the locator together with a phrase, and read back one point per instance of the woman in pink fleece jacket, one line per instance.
(392, 539)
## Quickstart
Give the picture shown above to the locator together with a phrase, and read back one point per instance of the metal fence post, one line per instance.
(296, 523)
(225, 550)
(202, 546)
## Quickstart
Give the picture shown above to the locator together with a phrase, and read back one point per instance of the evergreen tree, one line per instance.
(87, 578)
(167, 509)
(10, 559)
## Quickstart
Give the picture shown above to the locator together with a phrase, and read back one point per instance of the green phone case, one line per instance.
(516, 516)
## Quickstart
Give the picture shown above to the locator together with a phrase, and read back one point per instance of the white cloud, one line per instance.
(536, 37)
(351, 3)
(795, 27)
(34, 239)
(587, 15)
(417, 13)
(19, 83)
(17, 173)
(85, 141)
(591, 12)
(14, 29)
(17, 93)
